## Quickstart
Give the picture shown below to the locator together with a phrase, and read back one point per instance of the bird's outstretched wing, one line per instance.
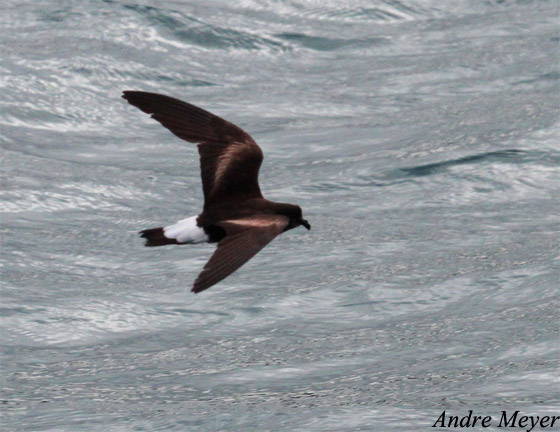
(245, 238)
(229, 158)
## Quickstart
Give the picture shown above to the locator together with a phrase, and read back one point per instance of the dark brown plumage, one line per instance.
(235, 213)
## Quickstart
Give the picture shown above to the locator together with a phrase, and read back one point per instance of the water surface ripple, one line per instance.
(421, 139)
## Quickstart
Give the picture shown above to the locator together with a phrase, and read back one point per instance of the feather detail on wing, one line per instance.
(245, 238)
(229, 158)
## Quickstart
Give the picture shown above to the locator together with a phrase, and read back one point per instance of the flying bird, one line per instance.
(235, 214)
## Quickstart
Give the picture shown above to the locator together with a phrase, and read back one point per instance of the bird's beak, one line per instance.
(305, 224)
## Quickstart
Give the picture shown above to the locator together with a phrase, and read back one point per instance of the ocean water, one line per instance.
(421, 139)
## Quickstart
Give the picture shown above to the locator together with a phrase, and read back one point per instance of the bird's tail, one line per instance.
(155, 237)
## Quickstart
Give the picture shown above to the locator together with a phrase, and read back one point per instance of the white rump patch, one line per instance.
(186, 231)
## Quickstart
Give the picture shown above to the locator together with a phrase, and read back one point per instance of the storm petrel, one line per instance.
(235, 214)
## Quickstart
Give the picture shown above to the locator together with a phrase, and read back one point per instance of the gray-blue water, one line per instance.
(421, 139)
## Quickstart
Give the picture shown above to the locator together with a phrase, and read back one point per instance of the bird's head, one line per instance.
(295, 214)
(297, 218)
